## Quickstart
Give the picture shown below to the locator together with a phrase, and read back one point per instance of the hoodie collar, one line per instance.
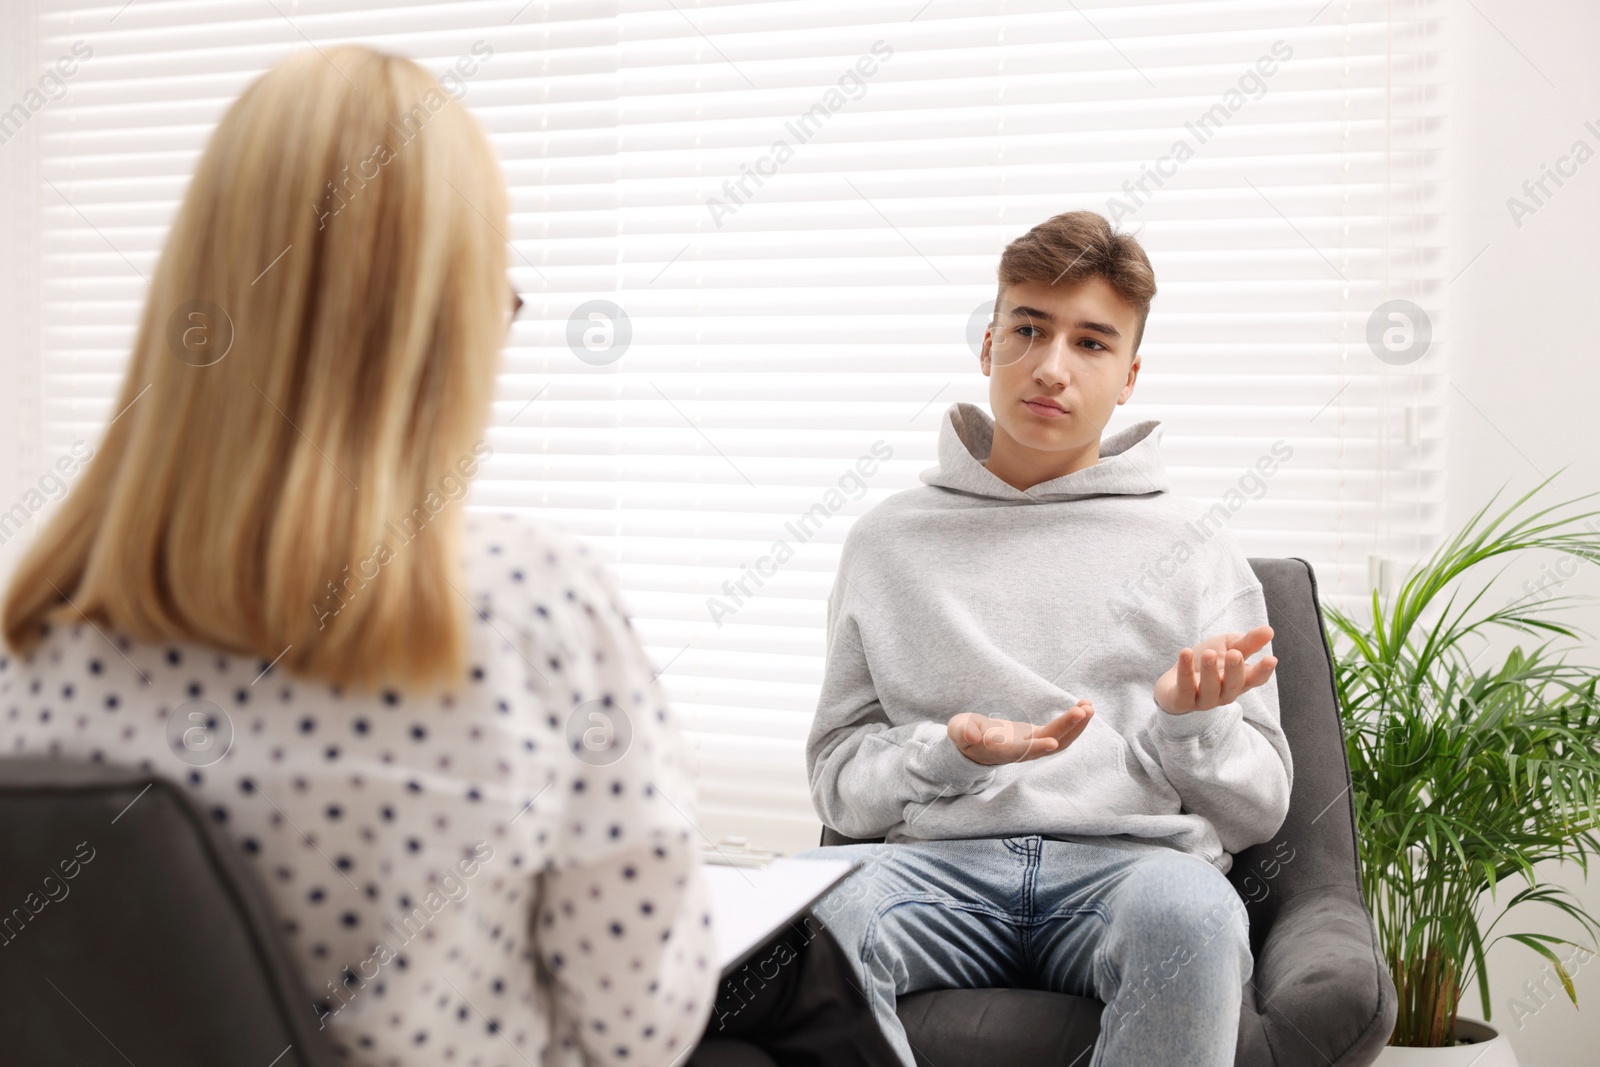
(1130, 462)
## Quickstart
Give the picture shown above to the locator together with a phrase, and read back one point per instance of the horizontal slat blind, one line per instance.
(793, 307)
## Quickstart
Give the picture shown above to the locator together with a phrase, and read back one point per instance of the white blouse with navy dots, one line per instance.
(464, 876)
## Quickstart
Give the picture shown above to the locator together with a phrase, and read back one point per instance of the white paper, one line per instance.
(748, 904)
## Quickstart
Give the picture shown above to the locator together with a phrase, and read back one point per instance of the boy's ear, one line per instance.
(1133, 375)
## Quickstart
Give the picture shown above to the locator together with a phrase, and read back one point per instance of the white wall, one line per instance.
(18, 430)
(1525, 371)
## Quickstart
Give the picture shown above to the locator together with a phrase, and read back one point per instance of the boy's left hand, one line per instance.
(1213, 672)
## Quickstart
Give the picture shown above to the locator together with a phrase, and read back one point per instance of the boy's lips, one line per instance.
(1045, 408)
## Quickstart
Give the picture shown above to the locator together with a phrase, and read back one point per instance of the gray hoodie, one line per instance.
(967, 594)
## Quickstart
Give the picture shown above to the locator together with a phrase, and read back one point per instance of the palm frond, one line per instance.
(1465, 776)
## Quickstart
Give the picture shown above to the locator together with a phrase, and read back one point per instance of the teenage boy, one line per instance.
(1037, 690)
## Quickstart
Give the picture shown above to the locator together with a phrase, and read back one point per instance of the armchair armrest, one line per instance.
(1320, 961)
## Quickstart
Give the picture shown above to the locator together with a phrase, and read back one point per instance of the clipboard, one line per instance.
(751, 904)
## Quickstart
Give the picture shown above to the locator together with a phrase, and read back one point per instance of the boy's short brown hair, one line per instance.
(1078, 245)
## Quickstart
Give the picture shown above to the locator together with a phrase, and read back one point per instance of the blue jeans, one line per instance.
(1160, 936)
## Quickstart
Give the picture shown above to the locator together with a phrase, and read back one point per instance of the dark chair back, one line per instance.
(132, 932)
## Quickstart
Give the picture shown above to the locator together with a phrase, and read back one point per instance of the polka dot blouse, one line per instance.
(465, 876)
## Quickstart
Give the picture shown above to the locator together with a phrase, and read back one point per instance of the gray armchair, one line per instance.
(1321, 992)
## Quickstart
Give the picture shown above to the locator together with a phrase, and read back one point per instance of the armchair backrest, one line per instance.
(1316, 846)
(131, 930)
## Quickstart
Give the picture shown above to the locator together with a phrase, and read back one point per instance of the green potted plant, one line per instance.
(1465, 774)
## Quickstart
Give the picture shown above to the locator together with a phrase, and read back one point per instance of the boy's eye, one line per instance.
(1092, 341)
(1022, 328)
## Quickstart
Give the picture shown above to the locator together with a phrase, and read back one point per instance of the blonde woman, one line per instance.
(435, 735)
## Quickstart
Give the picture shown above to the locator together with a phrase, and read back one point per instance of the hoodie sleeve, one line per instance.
(1230, 764)
(864, 770)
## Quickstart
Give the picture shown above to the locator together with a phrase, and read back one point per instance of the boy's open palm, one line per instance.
(1213, 672)
(994, 741)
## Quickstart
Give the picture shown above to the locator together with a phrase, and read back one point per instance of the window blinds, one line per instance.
(757, 239)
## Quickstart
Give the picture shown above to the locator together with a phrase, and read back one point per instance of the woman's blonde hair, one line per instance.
(311, 374)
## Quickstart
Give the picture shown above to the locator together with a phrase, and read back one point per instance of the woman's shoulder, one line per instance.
(519, 539)
(525, 567)
(549, 589)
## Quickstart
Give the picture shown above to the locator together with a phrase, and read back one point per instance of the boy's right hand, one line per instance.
(995, 741)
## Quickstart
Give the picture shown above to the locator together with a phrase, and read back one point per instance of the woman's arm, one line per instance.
(622, 923)
(626, 943)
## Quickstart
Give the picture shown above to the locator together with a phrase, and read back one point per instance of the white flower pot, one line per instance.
(1482, 1046)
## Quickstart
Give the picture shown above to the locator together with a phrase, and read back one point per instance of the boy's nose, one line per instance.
(1054, 366)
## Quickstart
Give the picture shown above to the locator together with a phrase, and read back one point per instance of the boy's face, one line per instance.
(1071, 342)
